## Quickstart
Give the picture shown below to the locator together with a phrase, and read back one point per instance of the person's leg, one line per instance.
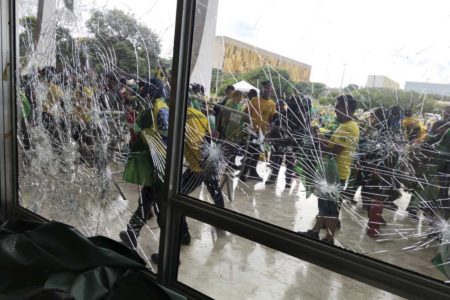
(375, 219)
(290, 164)
(314, 232)
(214, 190)
(331, 215)
(158, 208)
(251, 161)
(139, 218)
(253, 158)
(190, 181)
(331, 223)
(354, 182)
(276, 159)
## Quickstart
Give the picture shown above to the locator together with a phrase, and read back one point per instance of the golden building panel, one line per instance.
(239, 57)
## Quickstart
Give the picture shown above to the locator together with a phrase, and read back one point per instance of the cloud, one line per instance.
(243, 29)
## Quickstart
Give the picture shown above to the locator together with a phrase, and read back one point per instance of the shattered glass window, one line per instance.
(328, 118)
(93, 81)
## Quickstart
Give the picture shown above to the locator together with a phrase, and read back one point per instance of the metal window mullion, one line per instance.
(170, 235)
(356, 266)
(8, 158)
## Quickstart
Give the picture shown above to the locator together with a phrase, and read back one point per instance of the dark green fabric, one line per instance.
(26, 106)
(139, 168)
(55, 261)
(438, 262)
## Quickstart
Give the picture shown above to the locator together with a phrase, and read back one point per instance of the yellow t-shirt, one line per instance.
(196, 127)
(83, 106)
(261, 111)
(53, 95)
(409, 124)
(347, 136)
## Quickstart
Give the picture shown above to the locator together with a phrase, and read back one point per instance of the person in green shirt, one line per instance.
(233, 123)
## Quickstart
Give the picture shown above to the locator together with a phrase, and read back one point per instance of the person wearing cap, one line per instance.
(149, 134)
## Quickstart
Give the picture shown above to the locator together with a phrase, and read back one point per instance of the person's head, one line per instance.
(111, 80)
(300, 103)
(237, 96)
(301, 106)
(266, 89)
(229, 91)
(394, 111)
(378, 116)
(197, 88)
(408, 112)
(155, 89)
(439, 127)
(345, 108)
(252, 94)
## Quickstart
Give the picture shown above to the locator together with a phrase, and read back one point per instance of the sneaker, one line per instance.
(310, 233)
(186, 239)
(128, 238)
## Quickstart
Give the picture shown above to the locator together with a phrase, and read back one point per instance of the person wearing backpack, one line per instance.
(146, 161)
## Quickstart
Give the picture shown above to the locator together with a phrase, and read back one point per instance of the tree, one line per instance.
(26, 40)
(311, 89)
(120, 41)
(64, 43)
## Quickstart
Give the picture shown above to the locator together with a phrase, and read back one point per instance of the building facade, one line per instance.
(233, 56)
(428, 88)
(381, 81)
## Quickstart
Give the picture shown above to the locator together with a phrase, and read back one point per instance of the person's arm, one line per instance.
(330, 146)
(272, 116)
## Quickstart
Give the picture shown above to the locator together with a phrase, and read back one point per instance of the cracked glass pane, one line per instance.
(328, 118)
(92, 77)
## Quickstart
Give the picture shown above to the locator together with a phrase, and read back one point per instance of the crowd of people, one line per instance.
(389, 150)
(381, 152)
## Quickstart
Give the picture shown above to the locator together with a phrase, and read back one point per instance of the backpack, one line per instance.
(160, 113)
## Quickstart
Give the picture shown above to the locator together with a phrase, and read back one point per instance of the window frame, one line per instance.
(370, 271)
(358, 267)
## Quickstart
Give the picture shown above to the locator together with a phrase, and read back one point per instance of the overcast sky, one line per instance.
(404, 40)
(345, 39)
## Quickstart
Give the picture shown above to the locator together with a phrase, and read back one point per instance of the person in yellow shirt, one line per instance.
(342, 145)
(262, 110)
(196, 128)
(50, 105)
(414, 129)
